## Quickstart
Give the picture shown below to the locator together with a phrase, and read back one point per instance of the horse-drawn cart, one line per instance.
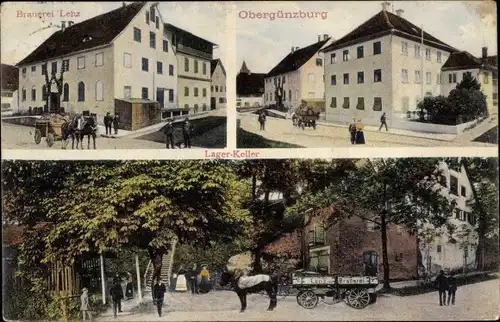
(357, 291)
(305, 116)
(49, 127)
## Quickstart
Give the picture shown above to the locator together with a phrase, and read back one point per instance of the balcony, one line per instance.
(190, 51)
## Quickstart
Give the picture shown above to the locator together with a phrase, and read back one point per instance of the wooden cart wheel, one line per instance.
(38, 136)
(358, 298)
(307, 299)
(50, 140)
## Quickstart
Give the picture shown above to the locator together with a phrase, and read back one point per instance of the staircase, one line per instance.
(166, 270)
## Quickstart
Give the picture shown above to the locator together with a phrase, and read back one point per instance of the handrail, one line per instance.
(146, 274)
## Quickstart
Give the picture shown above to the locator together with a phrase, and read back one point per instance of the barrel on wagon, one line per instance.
(49, 126)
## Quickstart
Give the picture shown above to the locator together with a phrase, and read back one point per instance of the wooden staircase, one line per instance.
(166, 270)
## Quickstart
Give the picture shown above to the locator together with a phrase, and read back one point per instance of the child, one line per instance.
(84, 298)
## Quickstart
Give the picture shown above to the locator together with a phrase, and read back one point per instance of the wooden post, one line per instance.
(138, 271)
(103, 282)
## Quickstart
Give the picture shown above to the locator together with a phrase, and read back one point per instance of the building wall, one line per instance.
(249, 101)
(9, 100)
(368, 90)
(193, 80)
(313, 88)
(292, 85)
(407, 93)
(89, 75)
(218, 87)
(133, 76)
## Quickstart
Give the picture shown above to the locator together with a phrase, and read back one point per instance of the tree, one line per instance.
(469, 82)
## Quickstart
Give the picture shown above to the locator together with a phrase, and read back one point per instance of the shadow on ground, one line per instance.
(209, 132)
(249, 140)
(490, 136)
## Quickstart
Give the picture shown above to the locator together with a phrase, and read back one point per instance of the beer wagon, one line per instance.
(49, 127)
(357, 291)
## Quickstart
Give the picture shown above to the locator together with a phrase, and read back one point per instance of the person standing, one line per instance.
(383, 122)
(85, 307)
(352, 131)
(159, 290)
(169, 134)
(116, 293)
(116, 123)
(107, 123)
(187, 130)
(180, 283)
(452, 284)
(441, 283)
(262, 121)
(360, 136)
(193, 279)
(205, 279)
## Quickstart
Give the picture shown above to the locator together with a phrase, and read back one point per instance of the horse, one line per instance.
(244, 285)
(90, 130)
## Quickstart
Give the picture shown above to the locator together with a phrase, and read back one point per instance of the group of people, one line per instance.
(446, 283)
(110, 121)
(196, 280)
(187, 132)
(356, 131)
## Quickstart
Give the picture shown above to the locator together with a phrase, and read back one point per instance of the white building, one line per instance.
(10, 82)
(121, 54)
(454, 251)
(299, 76)
(249, 88)
(218, 85)
(382, 66)
(194, 55)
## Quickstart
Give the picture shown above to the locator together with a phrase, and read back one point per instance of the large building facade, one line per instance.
(121, 54)
(218, 87)
(299, 76)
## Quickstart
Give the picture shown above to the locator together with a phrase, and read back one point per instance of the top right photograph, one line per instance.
(341, 74)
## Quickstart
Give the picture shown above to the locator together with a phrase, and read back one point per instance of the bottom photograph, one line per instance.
(259, 240)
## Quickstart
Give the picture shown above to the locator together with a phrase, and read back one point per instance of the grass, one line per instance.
(251, 140)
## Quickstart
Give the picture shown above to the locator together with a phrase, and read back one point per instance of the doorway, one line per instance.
(160, 96)
(213, 103)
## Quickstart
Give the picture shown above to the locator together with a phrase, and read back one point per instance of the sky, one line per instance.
(262, 43)
(206, 20)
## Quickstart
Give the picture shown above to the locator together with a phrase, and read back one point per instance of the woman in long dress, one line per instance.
(360, 136)
(205, 280)
(181, 284)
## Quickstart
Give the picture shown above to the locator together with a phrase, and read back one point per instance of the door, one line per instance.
(213, 103)
(160, 97)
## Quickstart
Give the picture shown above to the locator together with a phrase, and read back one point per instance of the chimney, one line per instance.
(399, 12)
(70, 23)
(485, 52)
(325, 36)
(63, 25)
(319, 38)
(385, 5)
(293, 49)
(296, 48)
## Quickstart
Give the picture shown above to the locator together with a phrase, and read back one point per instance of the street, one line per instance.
(338, 136)
(474, 302)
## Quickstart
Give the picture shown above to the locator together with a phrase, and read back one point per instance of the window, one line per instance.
(463, 191)
(99, 89)
(438, 56)
(333, 58)
(319, 62)
(404, 48)
(127, 60)
(196, 66)
(377, 48)
(457, 213)
(360, 51)
(212, 90)
(417, 77)
(311, 77)
(81, 92)
(346, 102)
(33, 93)
(454, 77)
(361, 103)
(152, 39)
(137, 34)
(346, 79)
(377, 103)
(196, 91)
(361, 77)
(221, 100)
(438, 248)
(152, 13)
(165, 45)
(157, 22)
(345, 55)
(377, 75)
(147, 17)
(171, 70)
(33, 70)
(81, 62)
(127, 92)
(186, 64)
(417, 51)
(204, 68)
(333, 80)
(171, 95)
(65, 92)
(145, 93)
(438, 78)
(159, 67)
(486, 77)
(427, 53)
(145, 65)
(289, 95)
(54, 67)
(216, 88)
(428, 77)
(284, 96)
(454, 185)
(204, 92)
(44, 69)
(186, 91)
(65, 65)
(404, 75)
(99, 59)
(44, 93)
(24, 94)
(24, 72)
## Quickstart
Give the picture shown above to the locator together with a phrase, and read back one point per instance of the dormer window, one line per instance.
(86, 38)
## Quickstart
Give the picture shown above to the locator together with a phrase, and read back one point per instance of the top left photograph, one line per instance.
(113, 75)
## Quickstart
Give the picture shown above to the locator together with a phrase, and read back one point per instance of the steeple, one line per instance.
(244, 68)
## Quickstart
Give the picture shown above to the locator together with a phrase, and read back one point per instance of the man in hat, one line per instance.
(383, 122)
(169, 134)
(85, 307)
(159, 290)
(262, 121)
(108, 120)
(442, 285)
(193, 279)
(116, 293)
(187, 130)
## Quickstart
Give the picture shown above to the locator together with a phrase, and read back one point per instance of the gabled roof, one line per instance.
(176, 29)
(295, 60)
(10, 77)
(249, 84)
(213, 66)
(464, 60)
(99, 31)
(384, 23)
